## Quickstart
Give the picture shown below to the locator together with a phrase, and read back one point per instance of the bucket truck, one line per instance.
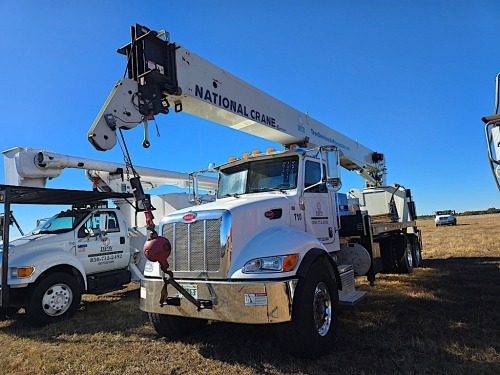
(274, 246)
(492, 132)
(90, 248)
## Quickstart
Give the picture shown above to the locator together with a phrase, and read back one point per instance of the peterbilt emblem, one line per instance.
(189, 217)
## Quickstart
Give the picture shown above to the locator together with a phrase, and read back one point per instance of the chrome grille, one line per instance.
(196, 246)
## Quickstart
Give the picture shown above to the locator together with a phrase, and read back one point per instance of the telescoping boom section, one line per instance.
(163, 75)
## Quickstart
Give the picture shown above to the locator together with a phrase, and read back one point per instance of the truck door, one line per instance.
(101, 244)
(320, 216)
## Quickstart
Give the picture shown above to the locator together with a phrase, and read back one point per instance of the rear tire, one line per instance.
(416, 252)
(405, 261)
(175, 327)
(52, 299)
(313, 329)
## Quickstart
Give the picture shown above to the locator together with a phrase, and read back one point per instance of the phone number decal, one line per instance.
(105, 257)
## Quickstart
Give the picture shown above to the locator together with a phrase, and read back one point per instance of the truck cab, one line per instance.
(263, 198)
(79, 250)
(445, 217)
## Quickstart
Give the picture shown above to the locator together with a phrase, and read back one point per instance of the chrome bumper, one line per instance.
(254, 302)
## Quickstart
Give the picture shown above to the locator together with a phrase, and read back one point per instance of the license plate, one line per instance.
(191, 289)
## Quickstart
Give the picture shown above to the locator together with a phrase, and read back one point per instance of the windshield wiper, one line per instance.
(262, 189)
(235, 195)
(60, 230)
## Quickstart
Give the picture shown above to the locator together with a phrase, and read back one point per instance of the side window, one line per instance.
(313, 176)
(113, 222)
(90, 227)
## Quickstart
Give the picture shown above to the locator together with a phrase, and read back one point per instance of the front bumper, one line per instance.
(253, 302)
(445, 222)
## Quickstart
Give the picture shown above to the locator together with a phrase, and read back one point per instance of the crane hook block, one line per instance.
(158, 249)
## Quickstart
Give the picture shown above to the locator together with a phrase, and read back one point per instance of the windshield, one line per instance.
(257, 176)
(63, 222)
(448, 212)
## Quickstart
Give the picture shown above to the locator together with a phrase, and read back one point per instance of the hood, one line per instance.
(35, 241)
(246, 201)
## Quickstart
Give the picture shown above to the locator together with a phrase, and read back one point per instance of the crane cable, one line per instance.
(136, 185)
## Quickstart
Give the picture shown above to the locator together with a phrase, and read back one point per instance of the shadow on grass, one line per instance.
(113, 312)
(444, 318)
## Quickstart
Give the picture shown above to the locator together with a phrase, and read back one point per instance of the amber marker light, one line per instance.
(269, 150)
(255, 152)
(25, 271)
(232, 159)
(290, 262)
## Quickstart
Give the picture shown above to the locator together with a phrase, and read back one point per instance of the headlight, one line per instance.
(281, 263)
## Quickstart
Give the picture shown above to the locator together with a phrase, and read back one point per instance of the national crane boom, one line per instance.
(164, 75)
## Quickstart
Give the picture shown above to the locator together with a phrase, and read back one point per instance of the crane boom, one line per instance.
(162, 75)
(33, 167)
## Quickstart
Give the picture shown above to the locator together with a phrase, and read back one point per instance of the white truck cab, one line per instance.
(445, 217)
(79, 250)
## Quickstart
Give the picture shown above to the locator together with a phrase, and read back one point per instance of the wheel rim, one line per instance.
(418, 255)
(409, 256)
(322, 309)
(57, 299)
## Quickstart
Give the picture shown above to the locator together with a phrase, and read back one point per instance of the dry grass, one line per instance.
(442, 319)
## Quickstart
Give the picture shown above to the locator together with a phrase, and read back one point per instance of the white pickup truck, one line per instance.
(446, 217)
(79, 250)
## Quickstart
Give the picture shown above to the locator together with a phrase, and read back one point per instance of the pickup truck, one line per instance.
(446, 217)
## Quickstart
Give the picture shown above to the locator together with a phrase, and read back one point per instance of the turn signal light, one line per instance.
(290, 262)
(25, 271)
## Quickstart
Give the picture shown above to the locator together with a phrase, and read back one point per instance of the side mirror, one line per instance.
(332, 155)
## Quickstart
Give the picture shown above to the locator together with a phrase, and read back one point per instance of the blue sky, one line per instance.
(410, 79)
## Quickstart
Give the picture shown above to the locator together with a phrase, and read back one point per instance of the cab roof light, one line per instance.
(255, 152)
(269, 150)
(232, 159)
(246, 155)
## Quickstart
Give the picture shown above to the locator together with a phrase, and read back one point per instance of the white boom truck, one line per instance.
(273, 247)
(492, 132)
(90, 248)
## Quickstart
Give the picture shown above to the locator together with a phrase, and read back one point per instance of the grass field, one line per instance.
(442, 319)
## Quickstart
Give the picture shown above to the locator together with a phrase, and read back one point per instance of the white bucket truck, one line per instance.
(89, 248)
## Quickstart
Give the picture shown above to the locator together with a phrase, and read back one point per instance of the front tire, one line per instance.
(54, 298)
(175, 327)
(313, 329)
